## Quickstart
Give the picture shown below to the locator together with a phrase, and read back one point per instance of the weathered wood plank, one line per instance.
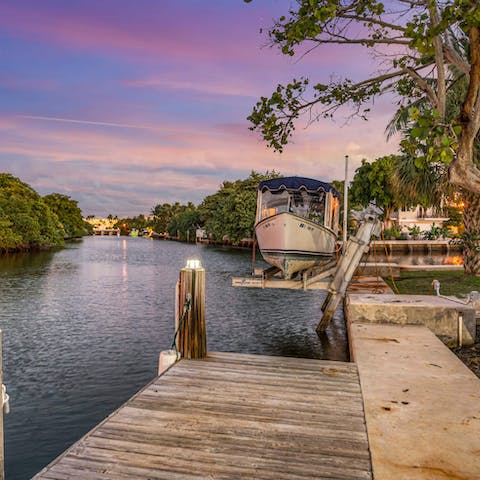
(336, 399)
(231, 416)
(189, 462)
(231, 387)
(242, 406)
(271, 375)
(247, 413)
(283, 362)
(229, 423)
(129, 442)
(192, 438)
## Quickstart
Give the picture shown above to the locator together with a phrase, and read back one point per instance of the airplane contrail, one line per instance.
(85, 122)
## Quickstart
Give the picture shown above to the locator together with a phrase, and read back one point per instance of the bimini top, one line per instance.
(295, 183)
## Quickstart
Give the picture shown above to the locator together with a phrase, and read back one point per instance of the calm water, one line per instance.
(83, 327)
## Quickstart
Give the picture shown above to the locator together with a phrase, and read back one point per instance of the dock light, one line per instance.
(193, 263)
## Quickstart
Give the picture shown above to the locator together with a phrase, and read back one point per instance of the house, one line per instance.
(418, 216)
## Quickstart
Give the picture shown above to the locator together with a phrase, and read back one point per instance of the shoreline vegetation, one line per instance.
(31, 222)
(227, 216)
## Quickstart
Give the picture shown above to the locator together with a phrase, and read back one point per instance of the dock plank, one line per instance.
(231, 416)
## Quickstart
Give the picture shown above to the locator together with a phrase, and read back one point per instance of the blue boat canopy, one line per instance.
(295, 183)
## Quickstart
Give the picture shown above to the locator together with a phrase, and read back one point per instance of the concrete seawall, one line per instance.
(450, 320)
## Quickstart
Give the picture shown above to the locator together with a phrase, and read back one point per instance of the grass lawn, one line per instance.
(451, 283)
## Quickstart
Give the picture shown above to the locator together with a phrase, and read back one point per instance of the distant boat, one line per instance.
(296, 223)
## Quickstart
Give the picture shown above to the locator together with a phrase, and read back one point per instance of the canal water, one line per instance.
(83, 327)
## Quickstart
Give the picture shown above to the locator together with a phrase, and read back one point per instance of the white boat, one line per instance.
(296, 223)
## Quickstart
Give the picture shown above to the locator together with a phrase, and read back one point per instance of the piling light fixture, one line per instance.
(193, 263)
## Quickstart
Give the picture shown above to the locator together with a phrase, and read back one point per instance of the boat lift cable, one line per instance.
(395, 288)
(186, 309)
(378, 287)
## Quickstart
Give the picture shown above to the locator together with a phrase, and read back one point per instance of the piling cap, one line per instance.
(193, 263)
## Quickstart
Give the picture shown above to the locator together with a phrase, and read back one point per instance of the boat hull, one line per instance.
(292, 243)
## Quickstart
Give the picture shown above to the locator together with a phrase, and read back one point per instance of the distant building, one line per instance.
(101, 222)
(103, 226)
(420, 217)
(200, 234)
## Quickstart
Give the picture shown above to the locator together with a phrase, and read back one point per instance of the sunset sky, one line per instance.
(125, 104)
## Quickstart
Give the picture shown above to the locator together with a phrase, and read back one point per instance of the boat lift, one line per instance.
(333, 277)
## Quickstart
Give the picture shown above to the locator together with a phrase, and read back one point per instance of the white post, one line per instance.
(166, 360)
(345, 206)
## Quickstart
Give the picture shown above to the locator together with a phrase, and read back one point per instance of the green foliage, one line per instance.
(69, 214)
(435, 233)
(165, 213)
(455, 216)
(126, 225)
(416, 40)
(429, 139)
(184, 224)
(470, 242)
(230, 212)
(26, 221)
(414, 232)
(374, 181)
(392, 233)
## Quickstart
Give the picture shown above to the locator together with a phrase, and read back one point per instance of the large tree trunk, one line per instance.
(471, 244)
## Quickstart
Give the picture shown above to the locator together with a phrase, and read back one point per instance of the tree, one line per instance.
(185, 223)
(126, 225)
(25, 219)
(164, 214)
(230, 212)
(69, 214)
(374, 181)
(424, 47)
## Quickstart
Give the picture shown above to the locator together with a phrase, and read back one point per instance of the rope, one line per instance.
(186, 309)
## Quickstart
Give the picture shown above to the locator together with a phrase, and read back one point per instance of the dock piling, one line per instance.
(192, 335)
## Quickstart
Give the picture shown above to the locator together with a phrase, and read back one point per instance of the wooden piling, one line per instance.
(192, 335)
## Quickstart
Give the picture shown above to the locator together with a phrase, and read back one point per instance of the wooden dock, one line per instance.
(231, 416)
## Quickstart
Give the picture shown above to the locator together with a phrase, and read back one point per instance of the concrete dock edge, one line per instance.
(422, 404)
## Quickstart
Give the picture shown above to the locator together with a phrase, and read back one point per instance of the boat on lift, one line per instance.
(297, 223)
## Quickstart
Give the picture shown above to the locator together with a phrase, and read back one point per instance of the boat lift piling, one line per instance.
(354, 249)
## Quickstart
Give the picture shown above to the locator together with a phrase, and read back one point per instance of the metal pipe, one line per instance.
(345, 206)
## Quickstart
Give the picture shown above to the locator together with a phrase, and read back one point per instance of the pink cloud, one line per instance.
(217, 86)
(169, 33)
(137, 35)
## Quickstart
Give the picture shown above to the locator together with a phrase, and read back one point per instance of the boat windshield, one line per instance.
(274, 202)
(310, 205)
